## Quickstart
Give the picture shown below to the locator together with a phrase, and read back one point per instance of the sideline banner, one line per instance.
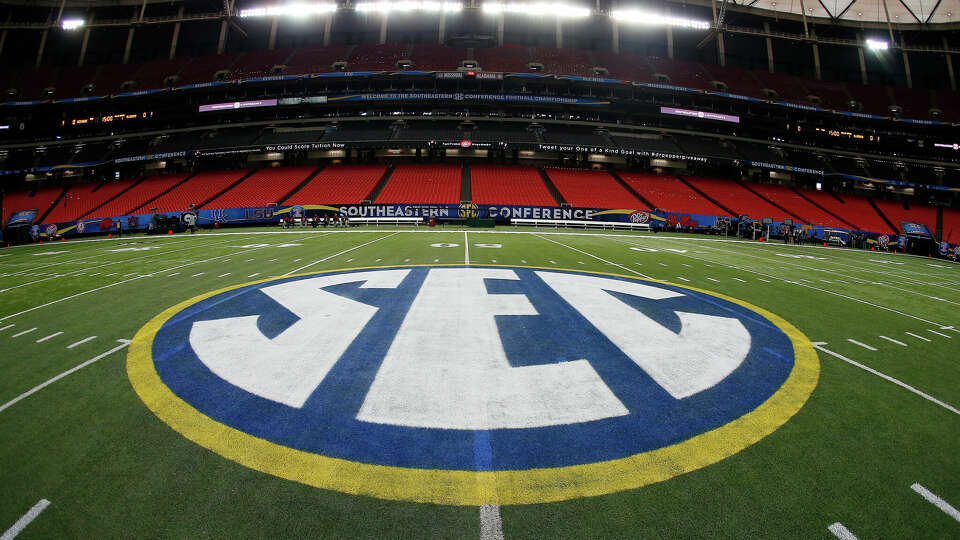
(22, 217)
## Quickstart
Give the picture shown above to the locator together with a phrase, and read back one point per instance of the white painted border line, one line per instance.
(81, 342)
(25, 520)
(683, 279)
(491, 524)
(864, 345)
(891, 340)
(620, 266)
(466, 249)
(937, 501)
(41, 386)
(338, 254)
(819, 346)
(7, 326)
(939, 334)
(18, 334)
(841, 532)
(916, 336)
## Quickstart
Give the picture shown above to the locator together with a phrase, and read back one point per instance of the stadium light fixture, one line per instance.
(638, 16)
(71, 24)
(426, 5)
(877, 45)
(289, 10)
(539, 9)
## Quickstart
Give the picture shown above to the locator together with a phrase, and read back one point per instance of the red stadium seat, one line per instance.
(670, 194)
(738, 198)
(422, 184)
(591, 189)
(339, 184)
(509, 185)
(852, 208)
(263, 188)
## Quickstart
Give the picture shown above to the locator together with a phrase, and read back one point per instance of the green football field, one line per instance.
(873, 448)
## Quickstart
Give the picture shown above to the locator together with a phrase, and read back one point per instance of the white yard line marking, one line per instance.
(553, 262)
(27, 284)
(687, 265)
(18, 334)
(51, 336)
(338, 254)
(274, 260)
(249, 260)
(25, 520)
(41, 386)
(937, 501)
(683, 278)
(891, 340)
(81, 342)
(491, 524)
(297, 260)
(173, 274)
(825, 281)
(661, 264)
(255, 274)
(197, 274)
(436, 260)
(466, 250)
(916, 336)
(349, 260)
(764, 280)
(620, 266)
(378, 260)
(7, 326)
(406, 260)
(841, 532)
(738, 279)
(580, 262)
(864, 345)
(819, 346)
(939, 334)
(224, 275)
(716, 280)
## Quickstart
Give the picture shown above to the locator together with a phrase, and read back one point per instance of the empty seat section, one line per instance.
(339, 184)
(508, 58)
(315, 59)
(833, 95)
(787, 87)
(136, 197)
(591, 189)
(110, 78)
(263, 188)
(917, 213)
(425, 184)
(153, 74)
(203, 68)
(738, 198)
(681, 72)
(81, 199)
(875, 99)
(433, 56)
(376, 57)
(804, 210)
(852, 208)
(509, 185)
(915, 103)
(626, 65)
(197, 190)
(260, 63)
(41, 201)
(738, 80)
(951, 225)
(670, 194)
(564, 61)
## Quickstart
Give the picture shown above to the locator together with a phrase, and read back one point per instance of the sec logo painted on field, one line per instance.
(471, 385)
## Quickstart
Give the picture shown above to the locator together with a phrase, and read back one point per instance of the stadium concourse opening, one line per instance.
(479, 269)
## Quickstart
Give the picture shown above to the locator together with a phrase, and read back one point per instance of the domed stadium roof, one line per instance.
(900, 11)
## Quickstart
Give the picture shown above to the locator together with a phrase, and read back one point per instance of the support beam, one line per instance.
(950, 74)
(176, 35)
(721, 50)
(129, 46)
(272, 42)
(803, 15)
(816, 61)
(222, 40)
(327, 29)
(906, 61)
(83, 46)
(383, 28)
(863, 61)
(886, 12)
(770, 65)
(442, 29)
(559, 33)
(43, 43)
(3, 41)
(670, 53)
(615, 36)
(500, 19)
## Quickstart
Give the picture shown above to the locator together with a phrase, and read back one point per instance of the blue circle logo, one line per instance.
(426, 382)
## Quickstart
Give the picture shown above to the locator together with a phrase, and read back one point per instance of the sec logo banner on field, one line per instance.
(471, 385)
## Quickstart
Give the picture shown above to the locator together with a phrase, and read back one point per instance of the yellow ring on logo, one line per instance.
(472, 488)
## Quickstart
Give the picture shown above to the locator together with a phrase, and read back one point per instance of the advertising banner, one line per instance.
(22, 217)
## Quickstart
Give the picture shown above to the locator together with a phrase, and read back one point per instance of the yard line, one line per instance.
(255, 274)
(274, 260)
(406, 260)
(864, 345)
(249, 260)
(25, 520)
(716, 280)
(53, 335)
(594, 256)
(891, 340)
(523, 261)
(82, 341)
(916, 336)
(24, 332)
(661, 264)
(34, 282)
(687, 265)
(198, 274)
(939, 334)
(41, 386)
(841, 532)
(581, 262)
(378, 260)
(224, 275)
(466, 249)
(764, 280)
(7, 326)
(297, 260)
(937, 501)
(173, 274)
(341, 253)
(553, 262)
(738, 279)
(491, 524)
(683, 278)
(819, 346)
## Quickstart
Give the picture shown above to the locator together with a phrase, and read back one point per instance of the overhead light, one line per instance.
(71, 24)
(877, 45)
(638, 16)
(538, 9)
(430, 6)
(289, 10)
